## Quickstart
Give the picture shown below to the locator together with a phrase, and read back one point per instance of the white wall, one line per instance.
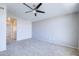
(61, 30)
(2, 28)
(24, 27)
(78, 30)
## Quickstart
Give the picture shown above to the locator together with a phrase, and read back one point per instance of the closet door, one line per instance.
(11, 30)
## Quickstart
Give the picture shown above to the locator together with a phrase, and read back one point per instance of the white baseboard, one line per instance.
(2, 50)
(24, 39)
(60, 44)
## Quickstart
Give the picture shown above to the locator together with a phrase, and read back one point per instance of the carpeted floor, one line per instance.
(32, 47)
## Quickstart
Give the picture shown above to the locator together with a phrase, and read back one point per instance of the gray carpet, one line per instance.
(32, 47)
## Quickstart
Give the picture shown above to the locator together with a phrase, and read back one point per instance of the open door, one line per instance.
(11, 30)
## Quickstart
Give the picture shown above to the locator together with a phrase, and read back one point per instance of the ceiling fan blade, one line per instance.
(40, 11)
(38, 5)
(28, 11)
(35, 14)
(27, 5)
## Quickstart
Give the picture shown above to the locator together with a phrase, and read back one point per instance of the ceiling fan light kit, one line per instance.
(35, 10)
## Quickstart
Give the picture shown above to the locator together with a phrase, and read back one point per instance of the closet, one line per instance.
(11, 30)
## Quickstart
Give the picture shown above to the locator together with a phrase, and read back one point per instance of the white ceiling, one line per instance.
(51, 9)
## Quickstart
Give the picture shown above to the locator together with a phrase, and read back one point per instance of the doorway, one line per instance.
(11, 30)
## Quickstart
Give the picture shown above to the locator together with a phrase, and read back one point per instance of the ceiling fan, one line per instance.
(34, 10)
